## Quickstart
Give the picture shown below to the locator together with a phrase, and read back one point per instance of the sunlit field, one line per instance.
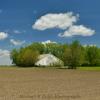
(93, 68)
(49, 83)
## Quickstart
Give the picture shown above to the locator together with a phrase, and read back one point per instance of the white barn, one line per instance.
(48, 60)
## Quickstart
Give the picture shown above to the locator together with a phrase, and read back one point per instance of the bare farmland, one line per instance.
(49, 84)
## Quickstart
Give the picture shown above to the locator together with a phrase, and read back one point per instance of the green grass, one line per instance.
(93, 68)
(87, 68)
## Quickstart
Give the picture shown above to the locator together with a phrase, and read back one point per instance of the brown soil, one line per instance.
(49, 84)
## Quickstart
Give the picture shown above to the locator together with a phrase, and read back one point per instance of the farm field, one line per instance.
(49, 84)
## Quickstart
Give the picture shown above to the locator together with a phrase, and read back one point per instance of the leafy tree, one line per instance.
(25, 57)
(92, 55)
(55, 49)
(37, 46)
(74, 56)
(66, 56)
(14, 55)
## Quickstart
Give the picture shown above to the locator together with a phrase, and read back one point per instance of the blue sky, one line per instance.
(18, 16)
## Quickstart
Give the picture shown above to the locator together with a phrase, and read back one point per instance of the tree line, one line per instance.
(73, 55)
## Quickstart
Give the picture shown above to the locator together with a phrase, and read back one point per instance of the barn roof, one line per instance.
(48, 60)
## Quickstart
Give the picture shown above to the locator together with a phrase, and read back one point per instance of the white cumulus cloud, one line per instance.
(4, 52)
(48, 41)
(17, 42)
(3, 35)
(89, 45)
(5, 57)
(77, 30)
(64, 21)
(61, 20)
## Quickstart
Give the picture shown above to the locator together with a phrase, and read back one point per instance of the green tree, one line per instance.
(25, 57)
(14, 55)
(37, 46)
(56, 49)
(92, 55)
(74, 55)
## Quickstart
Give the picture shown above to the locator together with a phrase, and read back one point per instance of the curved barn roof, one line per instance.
(48, 60)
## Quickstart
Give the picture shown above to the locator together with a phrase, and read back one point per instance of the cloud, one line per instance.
(18, 32)
(5, 57)
(77, 30)
(3, 35)
(64, 21)
(61, 21)
(48, 41)
(17, 42)
(4, 52)
(89, 45)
